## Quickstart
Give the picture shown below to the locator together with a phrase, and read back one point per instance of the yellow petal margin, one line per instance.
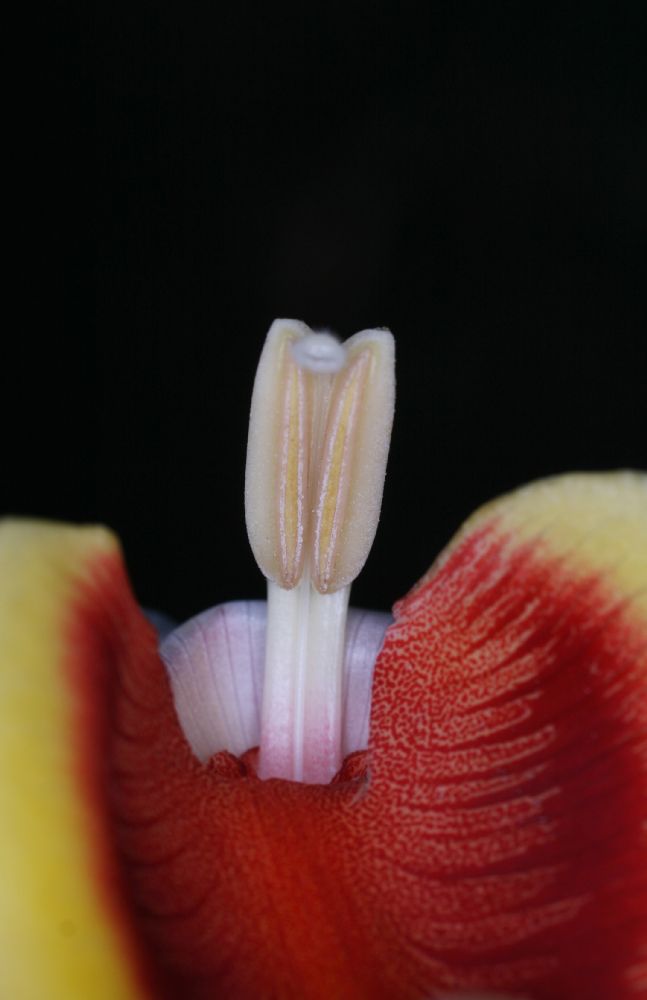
(596, 522)
(58, 941)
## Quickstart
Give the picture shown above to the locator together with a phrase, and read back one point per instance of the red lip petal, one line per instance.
(497, 840)
(512, 810)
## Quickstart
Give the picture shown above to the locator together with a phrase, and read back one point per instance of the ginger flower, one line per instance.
(298, 800)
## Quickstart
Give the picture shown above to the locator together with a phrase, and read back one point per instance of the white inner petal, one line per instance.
(215, 663)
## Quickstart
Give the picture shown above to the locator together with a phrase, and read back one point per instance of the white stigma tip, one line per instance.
(320, 353)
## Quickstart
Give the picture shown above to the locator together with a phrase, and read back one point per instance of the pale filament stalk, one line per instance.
(301, 714)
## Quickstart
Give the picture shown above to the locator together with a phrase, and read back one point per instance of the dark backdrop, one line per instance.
(471, 177)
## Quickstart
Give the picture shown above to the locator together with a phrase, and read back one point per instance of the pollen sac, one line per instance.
(319, 433)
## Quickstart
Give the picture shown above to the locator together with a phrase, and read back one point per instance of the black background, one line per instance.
(472, 177)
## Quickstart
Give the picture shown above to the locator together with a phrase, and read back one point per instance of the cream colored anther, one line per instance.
(319, 434)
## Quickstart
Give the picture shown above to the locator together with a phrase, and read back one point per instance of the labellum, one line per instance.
(295, 801)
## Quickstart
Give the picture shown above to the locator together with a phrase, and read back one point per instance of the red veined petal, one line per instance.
(508, 801)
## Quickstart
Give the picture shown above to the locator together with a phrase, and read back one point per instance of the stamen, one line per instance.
(319, 433)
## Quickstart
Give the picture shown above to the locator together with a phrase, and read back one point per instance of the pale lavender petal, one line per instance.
(215, 665)
(364, 637)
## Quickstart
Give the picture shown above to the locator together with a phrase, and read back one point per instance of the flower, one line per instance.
(491, 836)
